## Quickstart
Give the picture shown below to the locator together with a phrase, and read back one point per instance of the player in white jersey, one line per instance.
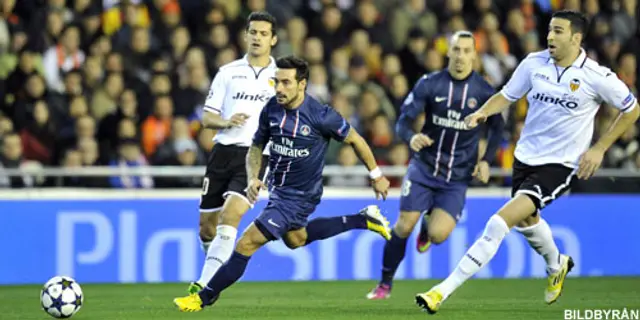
(564, 89)
(238, 93)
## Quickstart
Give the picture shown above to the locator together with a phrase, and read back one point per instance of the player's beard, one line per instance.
(291, 101)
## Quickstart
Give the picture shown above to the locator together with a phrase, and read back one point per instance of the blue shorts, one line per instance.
(283, 215)
(422, 192)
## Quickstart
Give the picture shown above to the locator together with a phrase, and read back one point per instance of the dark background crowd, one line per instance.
(121, 83)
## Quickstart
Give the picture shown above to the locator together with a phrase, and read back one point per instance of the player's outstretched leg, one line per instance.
(394, 251)
(368, 218)
(480, 253)
(538, 233)
(227, 275)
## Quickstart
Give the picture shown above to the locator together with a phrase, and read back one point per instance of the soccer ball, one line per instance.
(61, 297)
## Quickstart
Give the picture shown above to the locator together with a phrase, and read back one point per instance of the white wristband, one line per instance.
(375, 173)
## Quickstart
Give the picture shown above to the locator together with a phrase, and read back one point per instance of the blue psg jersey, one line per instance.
(446, 102)
(299, 140)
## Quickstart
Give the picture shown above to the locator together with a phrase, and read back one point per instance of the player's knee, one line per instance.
(245, 244)
(405, 224)
(207, 227)
(294, 243)
(529, 221)
(438, 235)
(295, 240)
(232, 213)
(207, 232)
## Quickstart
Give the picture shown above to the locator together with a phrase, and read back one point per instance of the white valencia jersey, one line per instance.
(563, 103)
(239, 87)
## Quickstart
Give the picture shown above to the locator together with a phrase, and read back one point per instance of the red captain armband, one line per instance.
(375, 174)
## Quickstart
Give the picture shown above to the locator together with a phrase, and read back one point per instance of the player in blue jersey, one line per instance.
(446, 154)
(299, 128)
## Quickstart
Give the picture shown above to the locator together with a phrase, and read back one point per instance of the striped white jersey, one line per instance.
(563, 103)
(239, 87)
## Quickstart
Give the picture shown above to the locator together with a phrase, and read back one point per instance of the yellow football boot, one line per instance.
(556, 280)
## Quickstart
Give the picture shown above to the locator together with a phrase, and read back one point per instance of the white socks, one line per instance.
(541, 240)
(477, 256)
(219, 252)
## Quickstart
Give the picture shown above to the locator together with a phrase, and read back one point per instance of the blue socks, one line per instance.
(394, 251)
(323, 228)
(227, 275)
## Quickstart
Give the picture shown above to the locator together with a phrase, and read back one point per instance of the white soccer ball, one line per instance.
(61, 297)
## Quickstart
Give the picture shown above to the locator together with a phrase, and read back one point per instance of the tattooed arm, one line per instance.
(254, 161)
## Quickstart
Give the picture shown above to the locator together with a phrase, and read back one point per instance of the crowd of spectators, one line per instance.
(121, 83)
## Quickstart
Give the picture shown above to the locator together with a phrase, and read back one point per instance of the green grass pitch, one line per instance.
(477, 299)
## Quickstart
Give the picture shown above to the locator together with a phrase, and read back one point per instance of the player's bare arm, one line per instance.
(496, 104)
(592, 159)
(379, 182)
(215, 121)
(254, 161)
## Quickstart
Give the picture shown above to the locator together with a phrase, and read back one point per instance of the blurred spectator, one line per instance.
(88, 148)
(411, 55)
(623, 20)
(412, 13)
(12, 158)
(398, 155)
(398, 91)
(6, 126)
(38, 138)
(390, 67)
(347, 158)
(78, 77)
(28, 63)
(63, 57)
(623, 153)
(318, 86)
(127, 109)
(370, 20)
(33, 90)
(156, 128)
(380, 132)
(498, 62)
(186, 154)
(627, 70)
(130, 156)
(359, 82)
(105, 99)
(332, 27)
(192, 95)
(92, 74)
(297, 32)
(72, 159)
(313, 51)
(167, 152)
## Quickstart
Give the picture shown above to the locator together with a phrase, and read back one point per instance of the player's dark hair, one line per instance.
(292, 62)
(579, 22)
(263, 16)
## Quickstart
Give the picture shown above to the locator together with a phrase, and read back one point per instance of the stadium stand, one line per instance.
(121, 83)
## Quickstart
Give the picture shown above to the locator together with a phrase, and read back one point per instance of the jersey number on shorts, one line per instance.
(406, 187)
(205, 186)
